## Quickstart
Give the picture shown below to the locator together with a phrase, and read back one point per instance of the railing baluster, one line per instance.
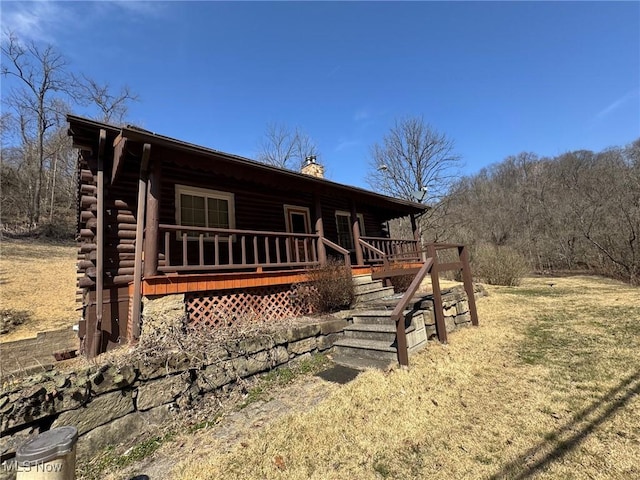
(230, 249)
(201, 250)
(287, 249)
(184, 249)
(266, 249)
(243, 249)
(167, 252)
(255, 249)
(305, 244)
(297, 248)
(277, 249)
(216, 246)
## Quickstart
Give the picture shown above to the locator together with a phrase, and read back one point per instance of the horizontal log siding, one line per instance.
(256, 208)
(120, 221)
(372, 220)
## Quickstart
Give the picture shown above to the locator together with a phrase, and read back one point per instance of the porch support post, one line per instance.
(414, 227)
(463, 253)
(152, 221)
(355, 226)
(416, 235)
(441, 327)
(322, 253)
(96, 339)
(137, 269)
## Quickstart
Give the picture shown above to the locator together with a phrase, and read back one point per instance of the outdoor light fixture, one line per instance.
(420, 194)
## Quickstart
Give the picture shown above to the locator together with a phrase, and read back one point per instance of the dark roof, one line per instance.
(138, 134)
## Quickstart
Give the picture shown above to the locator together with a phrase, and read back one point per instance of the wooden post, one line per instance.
(414, 227)
(416, 236)
(137, 267)
(152, 221)
(322, 252)
(468, 283)
(355, 226)
(96, 340)
(438, 311)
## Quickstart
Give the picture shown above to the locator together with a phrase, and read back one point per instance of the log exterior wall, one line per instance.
(260, 194)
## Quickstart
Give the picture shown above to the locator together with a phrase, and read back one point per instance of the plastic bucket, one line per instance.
(49, 456)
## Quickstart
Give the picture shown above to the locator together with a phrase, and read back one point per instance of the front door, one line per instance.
(298, 220)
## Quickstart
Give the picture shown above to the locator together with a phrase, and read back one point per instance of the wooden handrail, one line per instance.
(235, 231)
(407, 240)
(398, 313)
(434, 267)
(339, 249)
(370, 247)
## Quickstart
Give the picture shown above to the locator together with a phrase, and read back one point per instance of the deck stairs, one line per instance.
(370, 337)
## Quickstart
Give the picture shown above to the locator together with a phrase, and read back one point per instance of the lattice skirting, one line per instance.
(218, 309)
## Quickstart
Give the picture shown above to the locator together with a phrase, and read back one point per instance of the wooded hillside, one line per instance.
(576, 211)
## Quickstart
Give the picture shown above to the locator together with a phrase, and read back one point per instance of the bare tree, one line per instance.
(37, 102)
(37, 158)
(284, 147)
(112, 107)
(415, 162)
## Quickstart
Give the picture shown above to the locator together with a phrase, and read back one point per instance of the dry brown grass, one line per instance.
(39, 278)
(547, 387)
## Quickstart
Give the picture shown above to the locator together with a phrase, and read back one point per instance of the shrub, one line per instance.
(10, 318)
(401, 283)
(499, 265)
(59, 230)
(333, 287)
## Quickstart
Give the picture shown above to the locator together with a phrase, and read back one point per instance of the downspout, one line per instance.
(137, 271)
(96, 341)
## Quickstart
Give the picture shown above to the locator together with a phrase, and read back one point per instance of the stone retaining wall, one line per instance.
(109, 403)
(455, 306)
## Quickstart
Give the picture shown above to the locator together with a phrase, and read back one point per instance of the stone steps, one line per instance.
(367, 287)
(368, 290)
(361, 363)
(373, 294)
(385, 332)
(370, 337)
(368, 349)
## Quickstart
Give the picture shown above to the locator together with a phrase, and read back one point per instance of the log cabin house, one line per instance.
(159, 216)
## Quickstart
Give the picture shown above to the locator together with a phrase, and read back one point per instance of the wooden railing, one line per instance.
(343, 251)
(377, 249)
(398, 312)
(210, 249)
(433, 266)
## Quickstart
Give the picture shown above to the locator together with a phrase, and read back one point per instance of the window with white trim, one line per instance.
(201, 207)
(345, 232)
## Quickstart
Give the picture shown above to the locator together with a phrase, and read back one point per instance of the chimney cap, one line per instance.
(309, 159)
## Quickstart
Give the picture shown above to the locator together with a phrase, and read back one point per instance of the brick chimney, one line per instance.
(311, 167)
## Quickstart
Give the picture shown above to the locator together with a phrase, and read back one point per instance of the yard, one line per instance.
(38, 278)
(547, 387)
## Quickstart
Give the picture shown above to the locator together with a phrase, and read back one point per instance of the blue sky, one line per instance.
(498, 78)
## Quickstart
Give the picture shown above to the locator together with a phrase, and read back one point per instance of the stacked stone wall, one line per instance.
(110, 403)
